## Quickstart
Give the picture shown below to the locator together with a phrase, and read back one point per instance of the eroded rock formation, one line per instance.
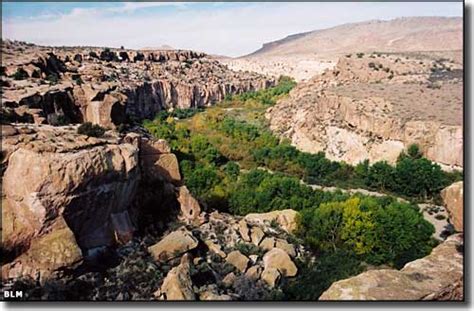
(453, 198)
(364, 109)
(67, 195)
(109, 86)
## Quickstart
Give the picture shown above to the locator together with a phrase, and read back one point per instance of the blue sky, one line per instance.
(215, 27)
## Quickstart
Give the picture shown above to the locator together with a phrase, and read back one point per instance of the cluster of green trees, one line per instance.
(379, 230)
(413, 176)
(218, 138)
(267, 97)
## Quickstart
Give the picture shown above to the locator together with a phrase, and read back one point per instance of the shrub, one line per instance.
(52, 78)
(89, 129)
(315, 277)
(20, 74)
(414, 151)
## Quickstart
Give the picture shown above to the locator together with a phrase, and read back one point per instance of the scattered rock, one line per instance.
(190, 209)
(177, 284)
(229, 279)
(453, 200)
(211, 295)
(215, 248)
(287, 247)
(253, 273)
(256, 235)
(279, 259)
(244, 230)
(173, 245)
(271, 276)
(238, 260)
(285, 218)
(268, 243)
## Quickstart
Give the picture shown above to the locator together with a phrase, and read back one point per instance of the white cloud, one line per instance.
(220, 29)
(133, 6)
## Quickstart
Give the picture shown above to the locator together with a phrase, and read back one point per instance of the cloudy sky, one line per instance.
(231, 29)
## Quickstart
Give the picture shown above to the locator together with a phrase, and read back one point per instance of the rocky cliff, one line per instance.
(65, 195)
(109, 86)
(374, 106)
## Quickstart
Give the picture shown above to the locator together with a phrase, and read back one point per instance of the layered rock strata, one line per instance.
(374, 106)
(110, 86)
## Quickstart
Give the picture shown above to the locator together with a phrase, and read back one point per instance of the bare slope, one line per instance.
(397, 35)
(305, 55)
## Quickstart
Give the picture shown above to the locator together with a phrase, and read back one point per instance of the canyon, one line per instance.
(114, 216)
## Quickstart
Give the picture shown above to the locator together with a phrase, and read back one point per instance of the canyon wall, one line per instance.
(355, 112)
(109, 87)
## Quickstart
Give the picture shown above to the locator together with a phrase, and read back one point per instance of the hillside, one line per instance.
(401, 34)
(305, 55)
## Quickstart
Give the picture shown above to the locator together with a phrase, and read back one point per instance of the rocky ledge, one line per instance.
(110, 86)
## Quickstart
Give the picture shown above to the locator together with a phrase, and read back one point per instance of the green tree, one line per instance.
(380, 176)
(232, 170)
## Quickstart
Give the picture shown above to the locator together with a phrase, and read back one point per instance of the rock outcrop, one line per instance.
(421, 279)
(76, 193)
(48, 253)
(453, 198)
(109, 86)
(363, 109)
(55, 172)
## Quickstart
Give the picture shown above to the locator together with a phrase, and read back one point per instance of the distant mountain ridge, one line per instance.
(396, 35)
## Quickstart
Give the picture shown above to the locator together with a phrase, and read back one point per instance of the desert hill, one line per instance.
(305, 55)
(397, 35)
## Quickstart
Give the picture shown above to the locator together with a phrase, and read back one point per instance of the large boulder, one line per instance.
(190, 209)
(47, 254)
(158, 161)
(54, 172)
(177, 284)
(279, 259)
(238, 260)
(419, 279)
(173, 245)
(285, 218)
(453, 200)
